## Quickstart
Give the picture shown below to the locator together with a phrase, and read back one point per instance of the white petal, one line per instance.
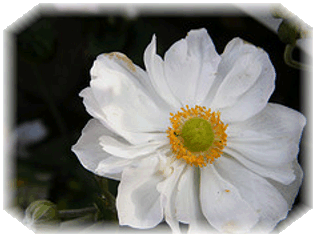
(269, 142)
(124, 150)
(190, 67)
(243, 74)
(283, 174)
(168, 190)
(257, 191)
(93, 107)
(122, 99)
(186, 193)
(154, 67)
(222, 204)
(125, 103)
(88, 149)
(112, 167)
(121, 63)
(201, 46)
(138, 202)
(187, 201)
(289, 192)
(244, 83)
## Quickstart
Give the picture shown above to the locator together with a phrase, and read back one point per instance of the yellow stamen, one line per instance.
(199, 158)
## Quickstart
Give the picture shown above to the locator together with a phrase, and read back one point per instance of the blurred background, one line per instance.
(52, 58)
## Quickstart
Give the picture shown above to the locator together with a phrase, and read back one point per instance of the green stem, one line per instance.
(73, 213)
(290, 61)
(106, 195)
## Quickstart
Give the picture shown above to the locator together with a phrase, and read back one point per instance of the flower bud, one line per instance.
(41, 214)
(289, 31)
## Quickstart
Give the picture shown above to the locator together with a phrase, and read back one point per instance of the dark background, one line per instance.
(52, 59)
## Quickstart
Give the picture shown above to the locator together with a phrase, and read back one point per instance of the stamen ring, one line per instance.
(197, 158)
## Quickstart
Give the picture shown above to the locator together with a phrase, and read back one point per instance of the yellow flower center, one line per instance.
(197, 135)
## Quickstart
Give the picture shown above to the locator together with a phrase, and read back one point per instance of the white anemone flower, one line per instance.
(193, 138)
